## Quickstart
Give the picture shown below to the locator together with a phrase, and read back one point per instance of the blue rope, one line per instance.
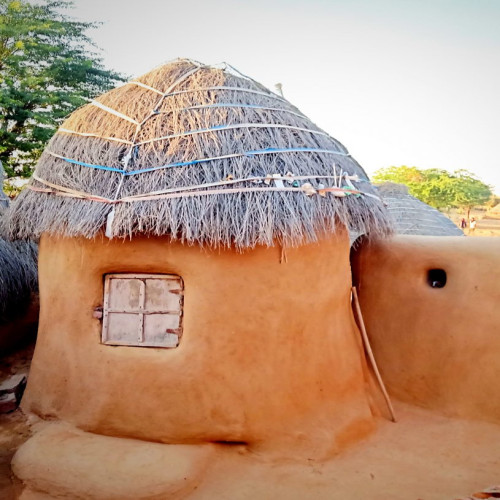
(203, 160)
(100, 167)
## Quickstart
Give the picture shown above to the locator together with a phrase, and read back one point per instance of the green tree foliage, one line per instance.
(48, 68)
(439, 188)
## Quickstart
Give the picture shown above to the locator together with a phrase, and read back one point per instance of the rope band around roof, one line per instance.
(152, 113)
(203, 106)
(125, 173)
(189, 191)
(206, 89)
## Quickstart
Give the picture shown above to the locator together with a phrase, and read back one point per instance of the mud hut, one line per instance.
(412, 216)
(194, 267)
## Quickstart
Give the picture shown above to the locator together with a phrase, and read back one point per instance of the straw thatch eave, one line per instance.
(18, 271)
(18, 277)
(185, 151)
(412, 216)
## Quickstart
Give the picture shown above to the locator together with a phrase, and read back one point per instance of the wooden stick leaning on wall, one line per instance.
(366, 343)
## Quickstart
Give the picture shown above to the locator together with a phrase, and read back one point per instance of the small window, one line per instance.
(436, 278)
(142, 310)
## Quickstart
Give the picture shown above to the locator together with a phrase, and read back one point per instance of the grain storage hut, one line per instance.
(194, 266)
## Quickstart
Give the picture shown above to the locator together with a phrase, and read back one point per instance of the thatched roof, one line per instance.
(412, 216)
(4, 199)
(188, 151)
(18, 277)
(18, 273)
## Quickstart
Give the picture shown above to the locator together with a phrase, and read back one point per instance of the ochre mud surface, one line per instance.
(14, 427)
(269, 353)
(436, 347)
(422, 456)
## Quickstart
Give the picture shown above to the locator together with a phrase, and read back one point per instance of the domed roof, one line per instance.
(202, 154)
(412, 216)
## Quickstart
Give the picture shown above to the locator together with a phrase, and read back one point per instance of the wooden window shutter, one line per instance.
(142, 310)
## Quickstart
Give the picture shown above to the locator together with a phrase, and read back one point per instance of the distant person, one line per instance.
(472, 225)
(463, 223)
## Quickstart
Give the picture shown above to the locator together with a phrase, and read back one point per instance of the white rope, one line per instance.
(113, 112)
(189, 191)
(89, 134)
(242, 106)
(128, 156)
(237, 181)
(230, 127)
(238, 89)
(143, 85)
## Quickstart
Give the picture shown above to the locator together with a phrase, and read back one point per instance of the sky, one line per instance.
(398, 82)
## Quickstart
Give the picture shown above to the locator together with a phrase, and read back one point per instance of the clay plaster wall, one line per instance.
(269, 353)
(436, 347)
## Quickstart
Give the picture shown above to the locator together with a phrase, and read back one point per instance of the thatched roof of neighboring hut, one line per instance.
(190, 151)
(4, 199)
(18, 277)
(412, 216)
(18, 273)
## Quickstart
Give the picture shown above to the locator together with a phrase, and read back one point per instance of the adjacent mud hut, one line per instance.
(194, 267)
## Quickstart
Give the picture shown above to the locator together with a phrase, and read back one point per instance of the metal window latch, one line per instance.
(175, 331)
(97, 312)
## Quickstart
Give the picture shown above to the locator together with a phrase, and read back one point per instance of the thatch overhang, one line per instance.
(412, 216)
(18, 269)
(202, 154)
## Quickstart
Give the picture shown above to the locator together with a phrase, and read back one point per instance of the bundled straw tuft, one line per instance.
(203, 154)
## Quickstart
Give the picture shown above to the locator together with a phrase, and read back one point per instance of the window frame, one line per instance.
(141, 311)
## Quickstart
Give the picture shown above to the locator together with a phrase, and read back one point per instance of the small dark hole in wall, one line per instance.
(436, 278)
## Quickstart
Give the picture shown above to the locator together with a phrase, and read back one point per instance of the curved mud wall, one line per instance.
(436, 347)
(269, 353)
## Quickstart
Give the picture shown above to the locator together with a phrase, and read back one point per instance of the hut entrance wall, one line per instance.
(269, 354)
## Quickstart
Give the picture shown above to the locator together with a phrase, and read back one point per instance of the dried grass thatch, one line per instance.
(18, 277)
(412, 216)
(180, 131)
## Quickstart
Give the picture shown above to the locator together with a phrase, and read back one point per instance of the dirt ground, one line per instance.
(424, 456)
(14, 429)
(485, 226)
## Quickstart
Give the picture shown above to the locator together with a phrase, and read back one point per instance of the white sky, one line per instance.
(398, 82)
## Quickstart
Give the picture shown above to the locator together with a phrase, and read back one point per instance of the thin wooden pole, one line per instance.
(369, 351)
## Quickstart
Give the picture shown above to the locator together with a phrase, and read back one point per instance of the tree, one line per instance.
(439, 188)
(48, 68)
(469, 191)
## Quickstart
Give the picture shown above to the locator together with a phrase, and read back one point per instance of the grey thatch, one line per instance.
(412, 216)
(18, 275)
(4, 199)
(202, 140)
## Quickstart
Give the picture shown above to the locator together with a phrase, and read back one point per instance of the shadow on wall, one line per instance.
(431, 309)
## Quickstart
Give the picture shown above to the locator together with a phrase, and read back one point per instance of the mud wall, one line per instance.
(269, 353)
(436, 347)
